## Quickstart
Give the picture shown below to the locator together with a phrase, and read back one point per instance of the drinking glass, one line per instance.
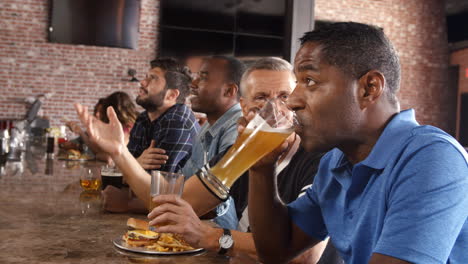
(90, 179)
(163, 182)
(4, 146)
(264, 133)
(111, 175)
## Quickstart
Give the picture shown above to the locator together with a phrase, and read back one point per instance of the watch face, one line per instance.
(226, 241)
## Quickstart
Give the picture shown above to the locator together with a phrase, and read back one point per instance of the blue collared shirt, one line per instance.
(174, 131)
(213, 140)
(408, 199)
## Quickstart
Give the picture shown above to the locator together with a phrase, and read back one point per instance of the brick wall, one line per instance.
(417, 28)
(30, 65)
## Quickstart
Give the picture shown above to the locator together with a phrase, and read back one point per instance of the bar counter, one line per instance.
(45, 217)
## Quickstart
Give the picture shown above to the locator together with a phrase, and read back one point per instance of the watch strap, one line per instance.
(222, 250)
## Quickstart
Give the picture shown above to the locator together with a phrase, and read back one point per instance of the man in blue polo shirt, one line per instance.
(389, 190)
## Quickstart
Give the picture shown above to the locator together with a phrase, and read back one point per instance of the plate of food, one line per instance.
(140, 239)
(73, 154)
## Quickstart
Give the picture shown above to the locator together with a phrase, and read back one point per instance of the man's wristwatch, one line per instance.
(225, 242)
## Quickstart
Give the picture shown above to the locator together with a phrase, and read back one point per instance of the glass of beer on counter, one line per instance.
(111, 175)
(265, 132)
(163, 182)
(90, 179)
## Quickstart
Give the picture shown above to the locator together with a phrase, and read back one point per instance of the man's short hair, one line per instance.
(166, 64)
(267, 63)
(357, 48)
(234, 69)
(177, 76)
(181, 81)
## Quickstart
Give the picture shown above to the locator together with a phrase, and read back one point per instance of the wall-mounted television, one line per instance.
(111, 23)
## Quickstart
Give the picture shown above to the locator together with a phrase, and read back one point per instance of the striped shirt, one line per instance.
(174, 131)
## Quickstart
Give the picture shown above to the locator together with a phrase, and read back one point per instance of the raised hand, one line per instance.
(108, 137)
(82, 112)
(152, 158)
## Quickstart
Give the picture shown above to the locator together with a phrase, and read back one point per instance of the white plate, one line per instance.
(118, 242)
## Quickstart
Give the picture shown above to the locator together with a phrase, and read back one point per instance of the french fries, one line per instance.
(169, 243)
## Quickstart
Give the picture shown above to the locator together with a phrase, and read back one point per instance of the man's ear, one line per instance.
(371, 88)
(243, 105)
(172, 94)
(231, 90)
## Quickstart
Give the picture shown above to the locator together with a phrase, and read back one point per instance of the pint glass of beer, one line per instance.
(265, 132)
(111, 175)
(163, 182)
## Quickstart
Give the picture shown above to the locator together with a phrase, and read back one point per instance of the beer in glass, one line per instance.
(89, 179)
(267, 131)
(111, 176)
(163, 182)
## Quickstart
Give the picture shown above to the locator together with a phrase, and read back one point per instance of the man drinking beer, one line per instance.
(388, 190)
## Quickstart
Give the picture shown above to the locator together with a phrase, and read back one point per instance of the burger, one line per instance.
(73, 154)
(139, 234)
(140, 238)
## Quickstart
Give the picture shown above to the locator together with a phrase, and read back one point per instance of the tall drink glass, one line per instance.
(265, 132)
(163, 182)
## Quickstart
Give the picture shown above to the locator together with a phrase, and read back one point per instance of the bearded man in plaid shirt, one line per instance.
(167, 126)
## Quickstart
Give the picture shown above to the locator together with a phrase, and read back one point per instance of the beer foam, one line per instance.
(258, 123)
(111, 174)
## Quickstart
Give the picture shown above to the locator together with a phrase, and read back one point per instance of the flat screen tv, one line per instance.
(111, 23)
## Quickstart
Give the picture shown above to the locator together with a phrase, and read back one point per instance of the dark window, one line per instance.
(198, 14)
(250, 46)
(247, 28)
(181, 42)
(457, 27)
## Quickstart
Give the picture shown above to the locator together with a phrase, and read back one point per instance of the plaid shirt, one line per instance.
(174, 131)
